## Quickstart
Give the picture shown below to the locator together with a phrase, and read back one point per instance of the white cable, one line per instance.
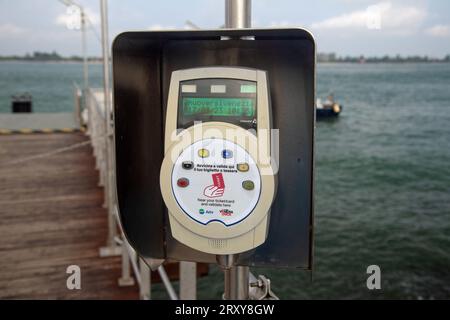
(50, 153)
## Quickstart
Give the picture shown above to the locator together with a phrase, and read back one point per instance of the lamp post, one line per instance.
(111, 249)
(69, 3)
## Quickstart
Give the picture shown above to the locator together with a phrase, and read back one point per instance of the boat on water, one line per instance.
(328, 109)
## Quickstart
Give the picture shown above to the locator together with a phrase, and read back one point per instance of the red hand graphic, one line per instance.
(217, 189)
(213, 192)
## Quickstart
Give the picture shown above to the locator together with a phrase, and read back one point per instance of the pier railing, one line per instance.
(131, 263)
(96, 130)
(78, 104)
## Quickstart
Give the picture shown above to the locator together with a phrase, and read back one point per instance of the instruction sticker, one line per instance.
(215, 191)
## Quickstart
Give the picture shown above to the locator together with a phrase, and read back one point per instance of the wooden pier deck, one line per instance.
(51, 216)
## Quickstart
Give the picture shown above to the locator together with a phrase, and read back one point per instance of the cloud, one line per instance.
(383, 15)
(439, 30)
(10, 30)
(158, 27)
(281, 24)
(71, 19)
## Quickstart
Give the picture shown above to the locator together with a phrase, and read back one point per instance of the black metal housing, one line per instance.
(142, 66)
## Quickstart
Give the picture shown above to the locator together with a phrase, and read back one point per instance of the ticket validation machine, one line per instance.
(191, 113)
(218, 177)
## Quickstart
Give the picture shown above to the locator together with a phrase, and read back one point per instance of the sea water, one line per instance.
(382, 178)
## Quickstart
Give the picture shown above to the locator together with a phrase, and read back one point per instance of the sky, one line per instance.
(347, 27)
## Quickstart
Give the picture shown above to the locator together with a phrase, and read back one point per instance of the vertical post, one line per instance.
(236, 279)
(236, 284)
(84, 50)
(238, 14)
(188, 280)
(126, 279)
(145, 287)
(112, 249)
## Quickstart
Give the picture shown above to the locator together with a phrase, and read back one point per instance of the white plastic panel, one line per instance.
(218, 187)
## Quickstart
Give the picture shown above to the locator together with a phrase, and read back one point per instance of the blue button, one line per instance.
(227, 154)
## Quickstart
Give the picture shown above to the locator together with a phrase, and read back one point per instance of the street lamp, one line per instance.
(70, 3)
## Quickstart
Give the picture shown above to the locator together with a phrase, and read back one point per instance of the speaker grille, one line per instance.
(217, 243)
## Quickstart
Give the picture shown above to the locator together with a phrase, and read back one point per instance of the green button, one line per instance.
(248, 185)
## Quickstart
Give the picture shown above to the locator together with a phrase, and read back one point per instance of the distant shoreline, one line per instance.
(383, 62)
(38, 56)
(49, 61)
(319, 62)
(321, 57)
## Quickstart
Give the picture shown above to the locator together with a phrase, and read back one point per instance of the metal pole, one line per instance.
(238, 14)
(165, 279)
(84, 49)
(109, 183)
(236, 284)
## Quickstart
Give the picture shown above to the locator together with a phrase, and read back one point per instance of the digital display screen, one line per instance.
(216, 99)
(220, 107)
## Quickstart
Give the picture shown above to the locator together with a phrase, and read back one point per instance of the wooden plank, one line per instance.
(51, 216)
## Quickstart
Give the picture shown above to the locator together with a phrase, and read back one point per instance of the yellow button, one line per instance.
(203, 153)
(243, 167)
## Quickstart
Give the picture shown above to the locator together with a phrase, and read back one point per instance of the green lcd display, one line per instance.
(226, 107)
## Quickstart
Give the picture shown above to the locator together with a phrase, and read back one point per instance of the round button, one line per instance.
(188, 165)
(182, 182)
(203, 153)
(248, 185)
(227, 154)
(243, 167)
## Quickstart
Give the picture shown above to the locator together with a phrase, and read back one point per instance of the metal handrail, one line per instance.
(134, 265)
(97, 129)
(165, 279)
(131, 253)
(99, 108)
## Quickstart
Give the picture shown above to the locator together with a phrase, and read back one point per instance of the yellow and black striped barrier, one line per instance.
(43, 130)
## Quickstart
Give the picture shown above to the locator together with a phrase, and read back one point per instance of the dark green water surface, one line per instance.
(382, 180)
